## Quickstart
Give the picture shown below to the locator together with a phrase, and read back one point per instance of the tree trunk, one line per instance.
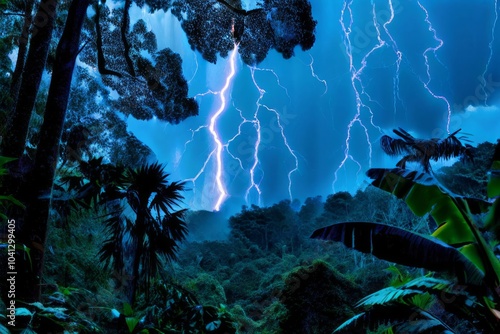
(17, 128)
(139, 238)
(15, 84)
(33, 231)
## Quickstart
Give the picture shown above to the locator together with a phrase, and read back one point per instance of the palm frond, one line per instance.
(174, 226)
(492, 221)
(168, 197)
(394, 147)
(424, 150)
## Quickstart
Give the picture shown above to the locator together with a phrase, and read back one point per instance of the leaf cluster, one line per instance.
(457, 246)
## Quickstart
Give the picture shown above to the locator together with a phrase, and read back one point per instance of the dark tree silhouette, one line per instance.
(17, 127)
(424, 150)
(36, 193)
(275, 24)
(155, 232)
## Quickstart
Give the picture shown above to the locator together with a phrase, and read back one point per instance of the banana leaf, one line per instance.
(395, 316)
(423, 194)
(404, 247)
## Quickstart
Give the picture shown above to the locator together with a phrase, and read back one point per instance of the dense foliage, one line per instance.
(459, 246)
(265, 277)
(121, 256)
(100, 66)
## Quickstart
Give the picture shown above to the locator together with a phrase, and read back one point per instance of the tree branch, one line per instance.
(101, 60)
(124, 31)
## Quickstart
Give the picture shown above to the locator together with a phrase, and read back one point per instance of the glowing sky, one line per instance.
(301, 108)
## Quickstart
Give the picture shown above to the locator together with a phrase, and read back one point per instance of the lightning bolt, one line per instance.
(490, 45)
(212, 129)
(215, 135)
(253, 183)
(256, 122)
(277, 79)
(427, 66)
(355, 81)
(399, 54)
(239, 133)
(313, 73)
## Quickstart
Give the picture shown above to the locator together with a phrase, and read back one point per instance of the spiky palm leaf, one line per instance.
(162, 242)
(88, 186)
(424, 150)
(153, 225)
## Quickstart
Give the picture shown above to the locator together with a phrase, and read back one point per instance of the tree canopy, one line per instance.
(274, 24)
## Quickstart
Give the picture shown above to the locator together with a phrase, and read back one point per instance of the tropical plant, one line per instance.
(57, 315)
(85, 187)
(131, 322)
(177, 310)
(423, 150)
(145, 229)
(458, 246)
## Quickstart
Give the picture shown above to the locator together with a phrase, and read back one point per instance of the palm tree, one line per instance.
(423, 150)
(145, 229)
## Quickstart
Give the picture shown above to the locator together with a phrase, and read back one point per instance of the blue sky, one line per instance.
(314, 96)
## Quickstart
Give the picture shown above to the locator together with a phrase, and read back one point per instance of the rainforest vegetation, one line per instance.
(104, 244)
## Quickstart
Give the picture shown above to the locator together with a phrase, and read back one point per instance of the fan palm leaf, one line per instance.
(153, 224)
(424, 150)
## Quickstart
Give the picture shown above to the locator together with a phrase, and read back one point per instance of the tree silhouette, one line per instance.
(424, 150)
(274, 24)
(145, 229)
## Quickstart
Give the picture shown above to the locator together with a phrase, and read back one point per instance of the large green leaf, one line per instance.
(400, 318)
(464, 301)
(423, 194)
(404, 247)
(418, 286)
